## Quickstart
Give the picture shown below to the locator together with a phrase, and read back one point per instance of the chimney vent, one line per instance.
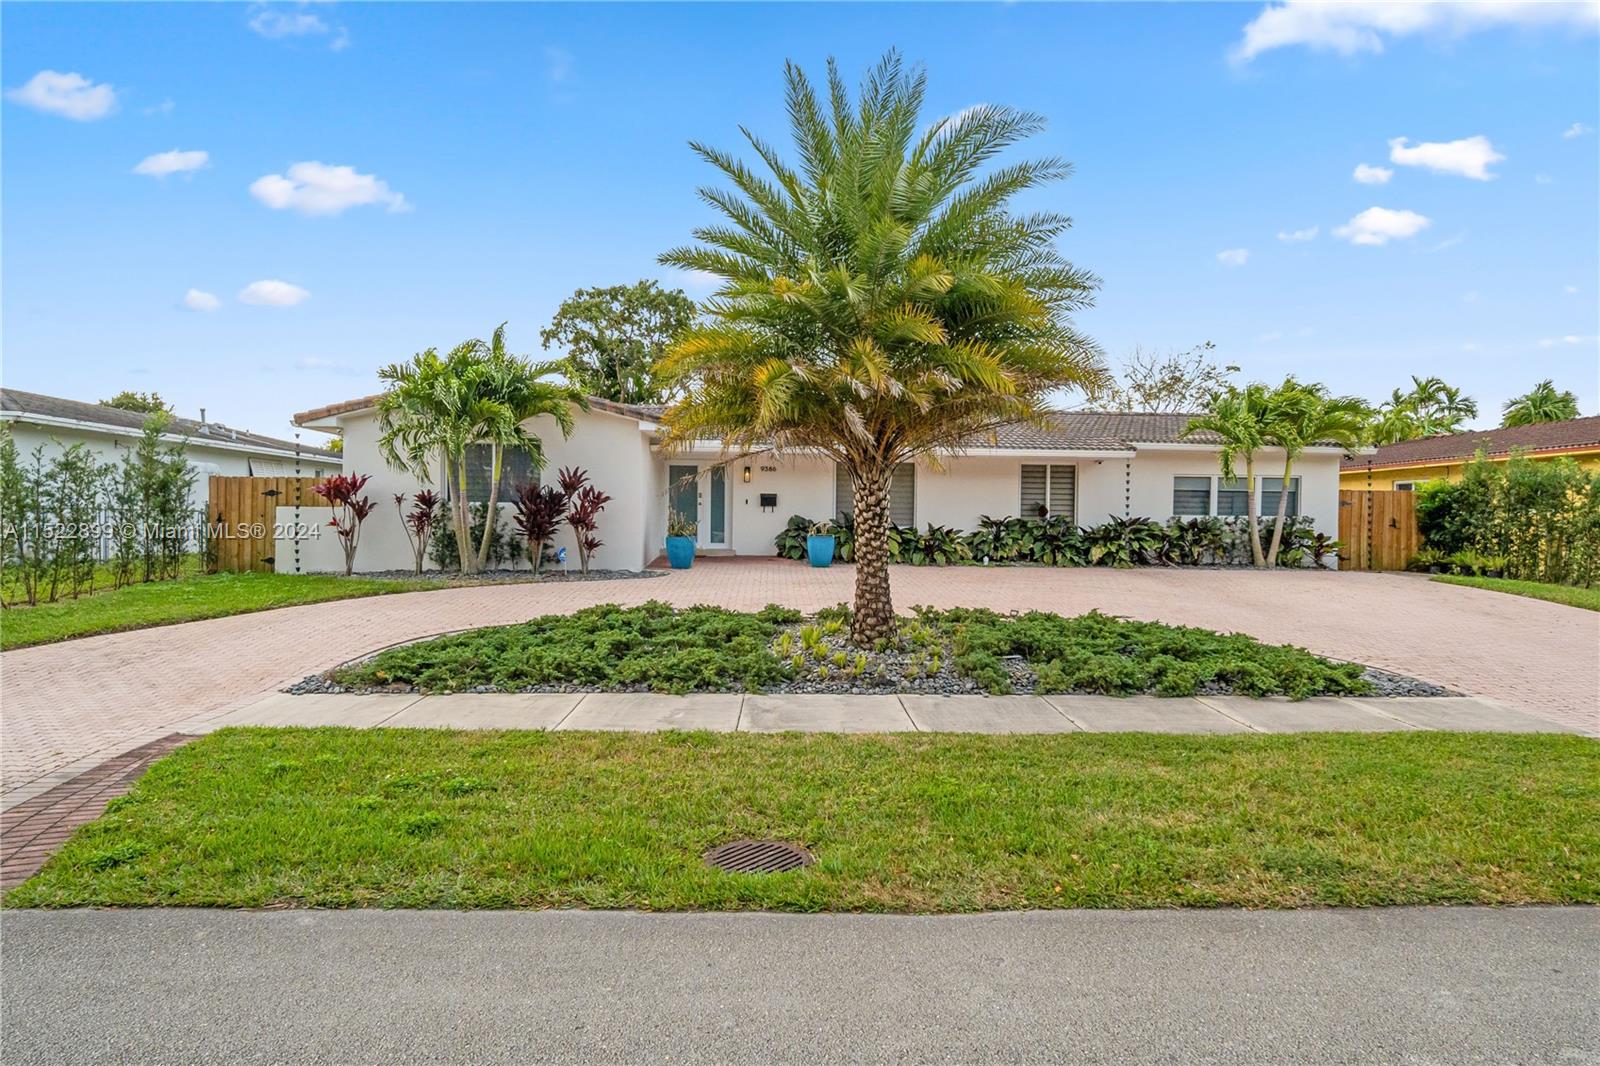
(202, 415)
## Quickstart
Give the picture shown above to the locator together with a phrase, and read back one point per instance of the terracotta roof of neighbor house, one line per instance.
(1571, 435)
(19, 403)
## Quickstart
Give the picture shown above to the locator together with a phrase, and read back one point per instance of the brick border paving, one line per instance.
(34, 829)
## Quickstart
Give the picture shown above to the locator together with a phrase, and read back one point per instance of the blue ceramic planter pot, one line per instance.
(820, 549)
(680, 552)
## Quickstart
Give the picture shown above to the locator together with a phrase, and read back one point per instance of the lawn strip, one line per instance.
(1570, 595)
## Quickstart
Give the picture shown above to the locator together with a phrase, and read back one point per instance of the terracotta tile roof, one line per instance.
(647, 412)
(1571, 435)
(22, 404)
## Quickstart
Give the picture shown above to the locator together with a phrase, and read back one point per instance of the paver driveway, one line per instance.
(70, 704)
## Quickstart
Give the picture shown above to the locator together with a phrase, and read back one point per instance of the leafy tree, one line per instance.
(615, 336)
(880, 299)
(434, 408)
(144, 403)
(1429, 409)
(1542, 403)
(1175, 382)
(1298, 415)
(1237, 416)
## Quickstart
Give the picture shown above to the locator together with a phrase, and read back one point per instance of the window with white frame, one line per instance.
(1049, 490)
(1271, 487)
(1404, 486)
(902, 494)
(1191, 495)
(1232, 499)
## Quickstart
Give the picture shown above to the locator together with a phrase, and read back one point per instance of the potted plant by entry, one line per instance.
(820, 544)
(680, 542)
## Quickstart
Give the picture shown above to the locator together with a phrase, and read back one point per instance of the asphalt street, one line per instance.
(1434, 985)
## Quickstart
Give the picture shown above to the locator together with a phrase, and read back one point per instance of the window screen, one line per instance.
(1049, 490)
(1191, 495)
(1231, 497)
(902, 494)
(516, 470)
(1270, 487)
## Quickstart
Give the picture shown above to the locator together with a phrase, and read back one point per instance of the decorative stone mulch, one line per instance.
(497, 577)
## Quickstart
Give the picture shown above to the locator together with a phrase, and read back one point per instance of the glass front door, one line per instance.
(683, 494)
(717, 520)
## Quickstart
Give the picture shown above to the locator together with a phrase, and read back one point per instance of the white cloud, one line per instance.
(1367, 174)
(1380, 225)
(1234, 257)
(1543, 179)
(1577, 129)
(1469, 347)
(1570, 290)
(1449, 242)
(272, 293)
(68, 95)
(276, 24)
(1470, 157)
(195, 300)
(163, 108)
(174, 162)
(558, 64)
(1307, 234)
(1569, 340)
(313, 188)
(1349, 27)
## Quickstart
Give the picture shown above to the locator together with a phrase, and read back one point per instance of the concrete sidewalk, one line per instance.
(1416, 985)
(730, 712)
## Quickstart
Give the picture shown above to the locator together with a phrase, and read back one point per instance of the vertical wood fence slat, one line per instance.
(241, 507)
(1378, 528)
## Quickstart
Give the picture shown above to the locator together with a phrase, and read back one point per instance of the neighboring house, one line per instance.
(110, 433)
(1407, 464)
(1087, 466)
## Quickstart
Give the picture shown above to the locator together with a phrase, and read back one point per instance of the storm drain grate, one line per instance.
(758, 857)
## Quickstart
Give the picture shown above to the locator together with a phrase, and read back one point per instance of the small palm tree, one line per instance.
(435, 408)
(1543, 403)
(1236, 415)
(880, 301)
(1298, 415)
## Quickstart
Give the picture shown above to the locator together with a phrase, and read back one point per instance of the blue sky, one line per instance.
(500, 156)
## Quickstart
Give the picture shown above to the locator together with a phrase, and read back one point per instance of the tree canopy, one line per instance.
(144, 403)
(614, 336)
(1428, 409)
(1175, 382)
(1542, 403)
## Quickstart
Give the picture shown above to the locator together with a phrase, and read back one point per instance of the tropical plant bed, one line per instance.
(906, 822)
(656, 647)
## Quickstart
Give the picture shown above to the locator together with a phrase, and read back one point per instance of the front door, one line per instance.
(683, 495)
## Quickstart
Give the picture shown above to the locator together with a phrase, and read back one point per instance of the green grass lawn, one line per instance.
(159, 603)
(909, 822)
(1571, 595)
(702, 649)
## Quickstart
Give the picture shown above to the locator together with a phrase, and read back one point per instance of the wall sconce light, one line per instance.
(747, 475)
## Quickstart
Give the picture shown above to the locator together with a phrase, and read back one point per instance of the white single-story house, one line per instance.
(1088, 466)
(110, 433)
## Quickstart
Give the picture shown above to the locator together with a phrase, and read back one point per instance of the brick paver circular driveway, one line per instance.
(62, 703)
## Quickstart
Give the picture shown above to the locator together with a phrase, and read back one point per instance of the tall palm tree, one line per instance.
(434, 408)
(1297, 416)
(1235, 415)
(880, 301)
(1542, 403)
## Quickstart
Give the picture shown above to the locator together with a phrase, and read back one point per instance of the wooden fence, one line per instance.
(1378, 528)
(243, 515)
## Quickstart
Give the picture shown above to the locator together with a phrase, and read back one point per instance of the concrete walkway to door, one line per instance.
(72, 705)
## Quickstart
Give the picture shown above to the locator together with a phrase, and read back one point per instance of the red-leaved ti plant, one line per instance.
(538, 516)
(419, 522)
(350, 509)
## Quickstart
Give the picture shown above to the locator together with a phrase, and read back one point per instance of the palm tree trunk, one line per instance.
(461, 519)
(1283, 510)
(1252, 510)
(491, 516)
(873, 618)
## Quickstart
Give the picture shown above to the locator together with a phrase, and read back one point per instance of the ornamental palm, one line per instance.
(1297, 416)
(1236, 415)
(1542, 403)
(436, 407)
(879, 300)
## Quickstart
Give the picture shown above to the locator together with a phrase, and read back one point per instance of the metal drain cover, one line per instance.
(758, 857)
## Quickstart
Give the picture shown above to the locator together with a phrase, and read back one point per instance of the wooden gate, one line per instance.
(1378, 528)
(243, 514)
